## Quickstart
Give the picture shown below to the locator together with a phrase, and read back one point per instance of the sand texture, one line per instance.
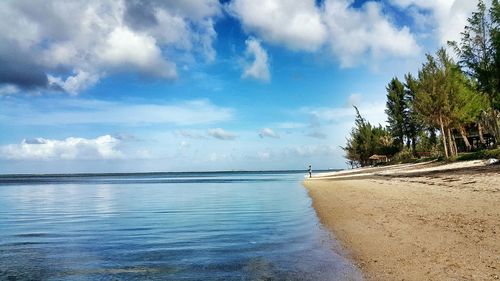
(415, 222)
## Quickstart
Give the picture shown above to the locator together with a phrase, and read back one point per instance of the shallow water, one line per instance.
(164, 226)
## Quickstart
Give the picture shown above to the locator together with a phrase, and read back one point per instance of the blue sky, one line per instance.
(126, 86)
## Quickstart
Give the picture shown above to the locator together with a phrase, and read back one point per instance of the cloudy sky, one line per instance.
(131, 85)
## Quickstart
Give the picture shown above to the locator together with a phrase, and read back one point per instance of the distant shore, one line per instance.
(424, 221)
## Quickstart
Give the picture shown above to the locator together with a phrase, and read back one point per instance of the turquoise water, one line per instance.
(164, 226)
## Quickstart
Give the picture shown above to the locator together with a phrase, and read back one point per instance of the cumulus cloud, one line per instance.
(103, 147)
(70, 45)
(83, 111)
(259, 68)
(351, 34)
(268, 133)
(76, 83)
(447, 17)
(295, 24)
(125, 48)
(221, 134)
(357, 32)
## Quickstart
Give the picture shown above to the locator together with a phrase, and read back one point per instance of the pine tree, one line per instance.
(413, 124)
(479, 52)
(396, 108)
(431, 101)
(366, 140)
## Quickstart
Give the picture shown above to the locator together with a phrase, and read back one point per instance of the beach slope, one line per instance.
(415, 222)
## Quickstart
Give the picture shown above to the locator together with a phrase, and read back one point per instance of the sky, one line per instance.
(202, 85)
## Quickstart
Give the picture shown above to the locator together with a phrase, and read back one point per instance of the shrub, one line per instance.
(481, 154)
(403, 156)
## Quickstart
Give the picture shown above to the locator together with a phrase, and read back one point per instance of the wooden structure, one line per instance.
(474, 140)
(375, 158)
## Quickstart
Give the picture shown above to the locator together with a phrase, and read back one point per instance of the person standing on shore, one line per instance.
(310, 171)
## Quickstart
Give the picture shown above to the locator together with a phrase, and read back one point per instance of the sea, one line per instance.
(165, 226)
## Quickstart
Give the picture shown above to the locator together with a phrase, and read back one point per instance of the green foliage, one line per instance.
(482, 154)
(404, 155)
(413, 125)
(427, 143)
(366, 140)
(479, 50)
(446, 96)
(396, 108)
(430, 101)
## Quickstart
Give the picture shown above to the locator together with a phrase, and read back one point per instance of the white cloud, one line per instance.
(103, 147)
(296, 24)
(333, 124)
(268, 133)
(127, 49)
(353, 100)
(190, 134)
(447, 17)
(259, 68)
(82, 111)
(8, 90)
(70, 45)
(357, 32)
(351, 34)
(76, 83)
(221, 134)
(373, 112)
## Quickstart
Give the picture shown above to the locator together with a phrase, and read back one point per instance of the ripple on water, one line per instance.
(217, 228)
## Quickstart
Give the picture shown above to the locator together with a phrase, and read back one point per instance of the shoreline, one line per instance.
(425, 221)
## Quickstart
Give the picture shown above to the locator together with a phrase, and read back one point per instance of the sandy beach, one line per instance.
(425, 221)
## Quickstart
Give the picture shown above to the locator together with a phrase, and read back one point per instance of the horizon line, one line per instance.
(163, 172)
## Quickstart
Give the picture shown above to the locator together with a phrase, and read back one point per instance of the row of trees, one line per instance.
(446, 96)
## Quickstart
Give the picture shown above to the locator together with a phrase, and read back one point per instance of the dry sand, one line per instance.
(415, 222)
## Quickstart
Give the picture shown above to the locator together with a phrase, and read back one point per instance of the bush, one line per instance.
(404, 156)
(481, 154)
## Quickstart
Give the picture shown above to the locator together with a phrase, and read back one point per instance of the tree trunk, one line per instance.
(443, 136)
(466, 140)
(454, 144)
(450, 143)
(496, 114)
(432, 136)
(414, 145)
(480, 132)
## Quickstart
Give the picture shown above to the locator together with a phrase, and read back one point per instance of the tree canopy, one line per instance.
(450, 97)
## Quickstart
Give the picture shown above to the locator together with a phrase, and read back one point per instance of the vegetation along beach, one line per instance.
(422, 201)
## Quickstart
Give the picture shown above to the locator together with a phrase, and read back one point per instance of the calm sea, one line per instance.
(164, 226)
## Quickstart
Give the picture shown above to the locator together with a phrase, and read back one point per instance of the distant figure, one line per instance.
(310, 171)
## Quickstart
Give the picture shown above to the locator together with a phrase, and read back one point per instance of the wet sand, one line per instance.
(415, 222)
